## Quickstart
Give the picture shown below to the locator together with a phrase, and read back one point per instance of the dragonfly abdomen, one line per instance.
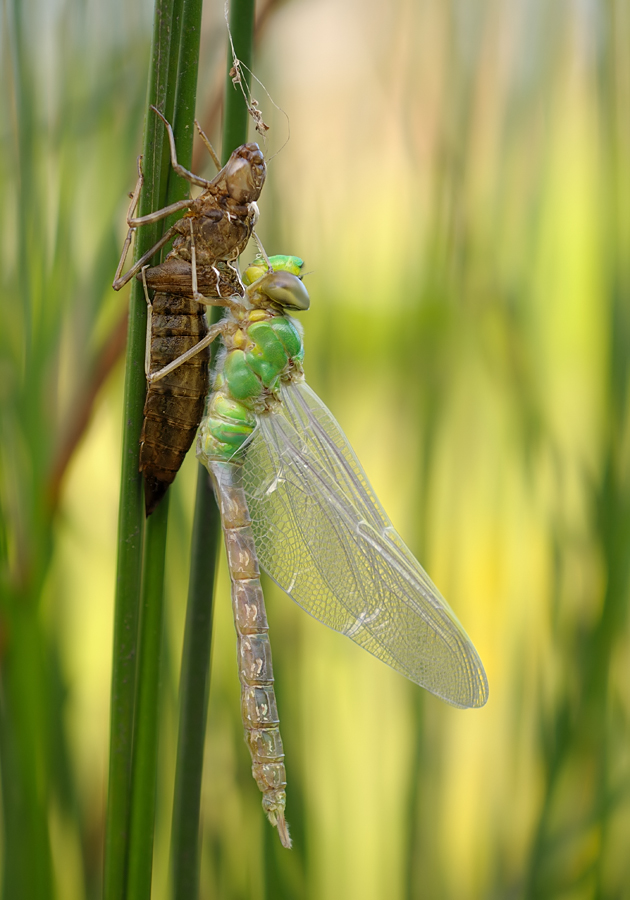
(174, 404)
(258, 698)
(225, 427)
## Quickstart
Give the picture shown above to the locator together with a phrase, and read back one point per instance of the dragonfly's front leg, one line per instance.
(153, 217)
(135, 196)
(147, 343)
(263, 252)
(213, 334)
(133, 223)
(152, 377)
(185, 173)
(208, 145)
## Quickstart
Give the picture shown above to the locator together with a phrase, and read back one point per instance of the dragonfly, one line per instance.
(199, 271)
(296, 504)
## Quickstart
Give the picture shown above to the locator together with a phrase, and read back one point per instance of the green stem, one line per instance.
(145, 742)
(27, 542)
(24, 748)
(184, 113)
(236, 122)
(131, 512)
(179, 108)
(194, 692)
(195, 673)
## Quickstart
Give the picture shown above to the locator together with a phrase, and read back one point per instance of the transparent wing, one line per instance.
(324, 538)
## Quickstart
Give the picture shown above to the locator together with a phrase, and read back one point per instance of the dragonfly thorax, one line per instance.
(262, 350)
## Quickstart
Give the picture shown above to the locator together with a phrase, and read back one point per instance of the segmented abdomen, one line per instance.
(258, 699)
(174, 404)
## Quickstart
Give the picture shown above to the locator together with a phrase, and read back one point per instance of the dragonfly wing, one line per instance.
(324, 538)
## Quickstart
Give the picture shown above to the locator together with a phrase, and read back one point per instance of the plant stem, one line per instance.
(236, 122)
(145, 739)
(194, 692)
(195, 672)
(179, 107)
(131, 512)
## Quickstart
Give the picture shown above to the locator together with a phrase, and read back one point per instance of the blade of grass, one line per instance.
(26, 546)
(194, 692)
(585, 723)
(179, 108)
(236, 123)
(145, 738)
(24, 753)
(195, 672)
(131, 512)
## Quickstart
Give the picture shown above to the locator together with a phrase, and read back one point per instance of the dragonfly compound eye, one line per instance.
(284, 288)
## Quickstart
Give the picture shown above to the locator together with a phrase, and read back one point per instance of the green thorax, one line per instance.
(258, 267)
(263, 348)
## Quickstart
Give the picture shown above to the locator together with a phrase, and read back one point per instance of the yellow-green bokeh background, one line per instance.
(456, 180)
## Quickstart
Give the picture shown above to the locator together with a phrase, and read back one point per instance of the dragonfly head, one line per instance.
(244, 173)
(282, 288)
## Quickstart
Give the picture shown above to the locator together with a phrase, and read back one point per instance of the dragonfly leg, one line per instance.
(185, 173)
(135, 196)
(134, 223)
(193, 265)
(160, 213)
(263, 252)
(228, 302)
(208, 145)
(212, 334)
(122, 281)
(147, 346)
(233, 306)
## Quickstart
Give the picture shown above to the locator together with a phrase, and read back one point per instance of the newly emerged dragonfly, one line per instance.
(293, 497)
(295, 501)
(198, 271)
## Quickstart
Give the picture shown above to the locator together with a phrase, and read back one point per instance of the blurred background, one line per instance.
(455, 177)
